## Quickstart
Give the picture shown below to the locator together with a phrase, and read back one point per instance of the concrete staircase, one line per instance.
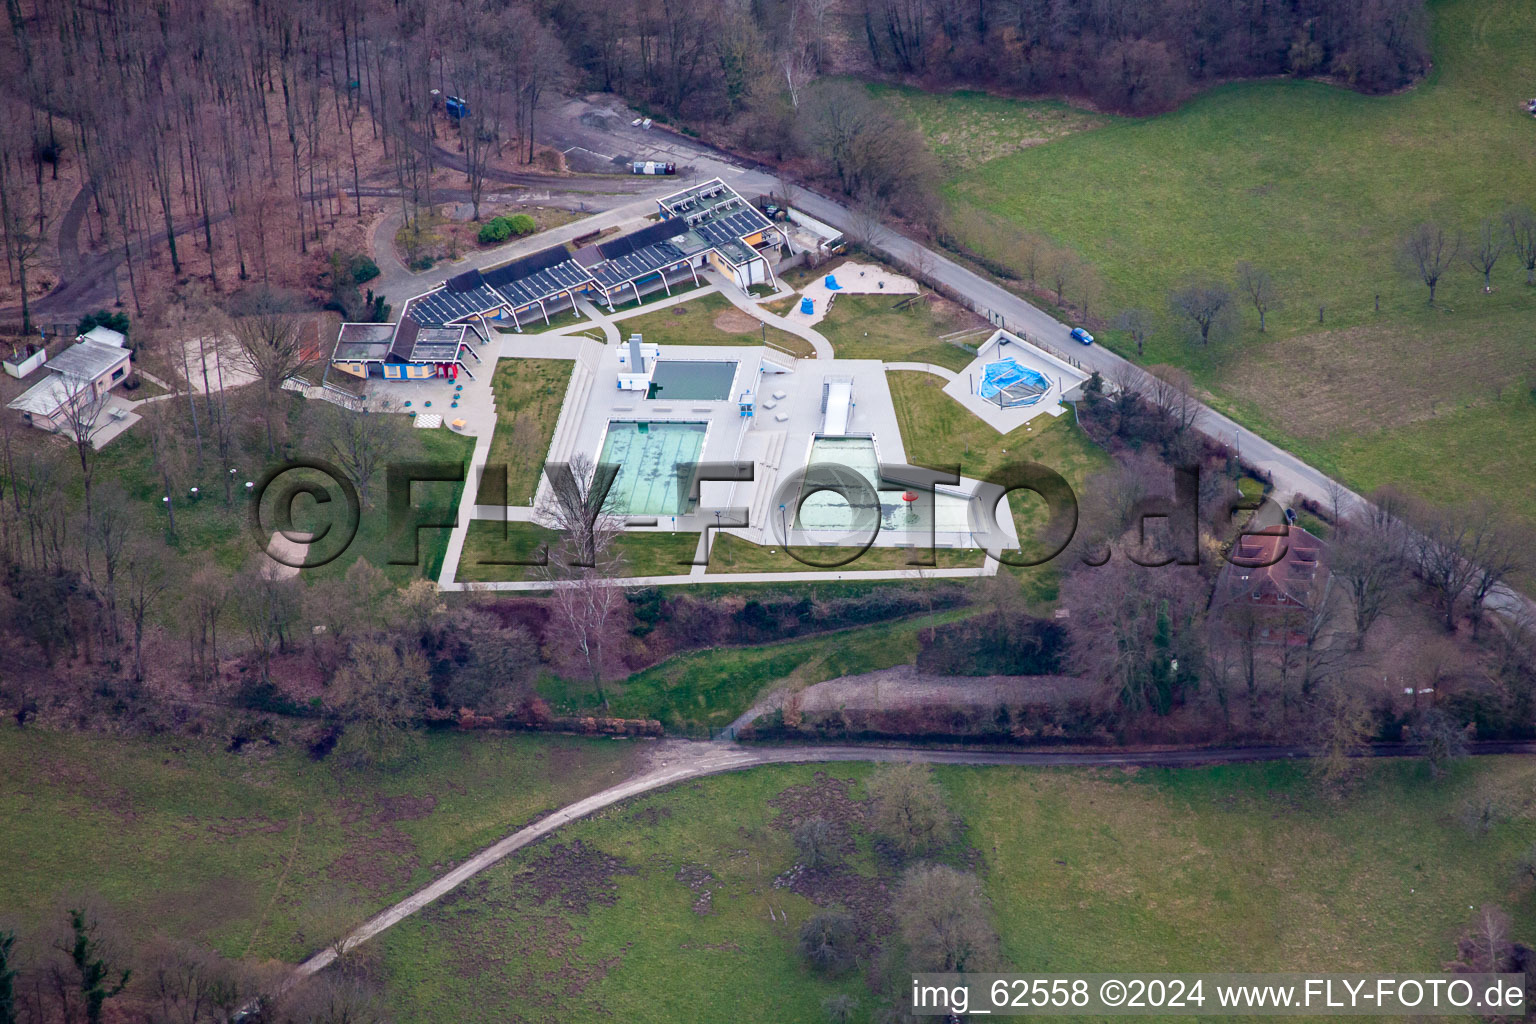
(767, 477)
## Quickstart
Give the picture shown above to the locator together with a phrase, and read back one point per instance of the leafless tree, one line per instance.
(146, 575)
(1259, 287)
(1342, 725)
(1062, 268)
(362, 441)
(583, 564)
(909, 808)
(1499, 553)
(1520, 222)
(1428, 251)
(1173, 391)
(84, 404)
(1138, 324)
(1203, 304)
(945, 920)
(1369, 561)
(1485, 249)
(274, 351)
(867, 219)
(383, 690)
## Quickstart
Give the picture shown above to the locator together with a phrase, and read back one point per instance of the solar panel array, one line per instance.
(552, 271)
(651, 258)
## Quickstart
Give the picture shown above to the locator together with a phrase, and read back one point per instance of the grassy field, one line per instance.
(710, 688)
(679, 906)
(894, 329)
(1317, 184)
(732, 554)
(528, 393)
(644, 554)
(266, 852)
(710, 320)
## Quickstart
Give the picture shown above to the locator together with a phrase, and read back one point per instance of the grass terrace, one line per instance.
(897, 329)
(529, 393)
(488, 545)
(710, 320)
(732, 554)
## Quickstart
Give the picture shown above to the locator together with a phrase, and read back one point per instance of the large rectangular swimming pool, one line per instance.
(696, 380)
(648, 453)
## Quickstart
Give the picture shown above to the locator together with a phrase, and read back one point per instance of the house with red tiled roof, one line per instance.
(1280, 572)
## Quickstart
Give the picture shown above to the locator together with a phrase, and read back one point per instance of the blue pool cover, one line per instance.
(1022, 384)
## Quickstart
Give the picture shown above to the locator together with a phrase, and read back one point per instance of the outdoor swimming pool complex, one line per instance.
(692, 380)
(826, 511)
(648, 453)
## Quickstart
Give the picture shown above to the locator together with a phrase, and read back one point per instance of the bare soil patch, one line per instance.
(736, 321)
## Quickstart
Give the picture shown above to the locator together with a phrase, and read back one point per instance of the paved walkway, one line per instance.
(675, 761)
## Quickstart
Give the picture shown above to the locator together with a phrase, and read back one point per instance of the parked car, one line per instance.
(636, 122)
(1078, 334)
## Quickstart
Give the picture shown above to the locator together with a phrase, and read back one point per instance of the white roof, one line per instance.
(104, 335)
(47, 396)
(87, 359)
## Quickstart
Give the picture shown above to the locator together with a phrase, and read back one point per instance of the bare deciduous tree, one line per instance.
(1370, 561)
(1427, 252)
(274, 350)
(1485, 249)
(1520, 222)
(909, 809)
(945, 920)
(1203, 304)
(1259, 287)
(362, 441)
(1138, 324)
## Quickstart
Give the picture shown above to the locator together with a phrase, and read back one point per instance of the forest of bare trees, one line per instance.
(256, 125)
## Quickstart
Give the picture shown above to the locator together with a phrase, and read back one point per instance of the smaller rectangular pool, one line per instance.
(692, 380)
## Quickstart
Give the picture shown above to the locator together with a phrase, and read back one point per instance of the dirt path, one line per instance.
(905, 688)
(675, 761)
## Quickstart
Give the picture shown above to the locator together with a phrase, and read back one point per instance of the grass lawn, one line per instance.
(645, 553)
(710, 320)
(938, 431)
(1245, 868)
(892, 329)
(732, 554)
(1317, 184)
(528, 397)
(965, 128)
(263, 852)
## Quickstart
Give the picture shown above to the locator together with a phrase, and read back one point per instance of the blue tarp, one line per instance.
(832, 284)
(1005, 373)
(807, 306)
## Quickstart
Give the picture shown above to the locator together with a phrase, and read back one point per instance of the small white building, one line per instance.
(80, 375)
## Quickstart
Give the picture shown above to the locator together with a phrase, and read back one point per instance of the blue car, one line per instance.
(1078, 334)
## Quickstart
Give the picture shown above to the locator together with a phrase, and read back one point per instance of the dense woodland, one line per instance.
(261, 123)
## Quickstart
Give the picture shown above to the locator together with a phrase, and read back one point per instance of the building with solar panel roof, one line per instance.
(708, 225)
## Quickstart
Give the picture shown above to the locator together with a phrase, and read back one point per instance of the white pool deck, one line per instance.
(1066, 380)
